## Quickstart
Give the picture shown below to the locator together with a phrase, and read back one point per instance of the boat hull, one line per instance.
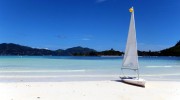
(135, 81)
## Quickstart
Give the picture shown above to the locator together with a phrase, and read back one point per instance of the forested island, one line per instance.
(11, 49)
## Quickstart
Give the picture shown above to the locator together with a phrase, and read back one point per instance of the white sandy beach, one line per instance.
(89, 90)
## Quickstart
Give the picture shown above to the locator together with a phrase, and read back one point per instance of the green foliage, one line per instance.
(111, 52)
(178, 43)
(79, 51)
(15, 49)
(148, 53)
(172, 51)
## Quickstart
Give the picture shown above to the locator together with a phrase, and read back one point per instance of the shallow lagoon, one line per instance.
(70, 68)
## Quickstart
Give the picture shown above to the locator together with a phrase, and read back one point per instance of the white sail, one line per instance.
(130, 60)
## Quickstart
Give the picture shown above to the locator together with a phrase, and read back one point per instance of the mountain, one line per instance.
(76, 51)
(110, 52)
(178, 43)
(172, 51)
(61, 52)
(80, 51)
(149, 53)
(16, 49)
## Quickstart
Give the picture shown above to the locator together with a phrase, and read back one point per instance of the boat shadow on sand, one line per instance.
(128, 83)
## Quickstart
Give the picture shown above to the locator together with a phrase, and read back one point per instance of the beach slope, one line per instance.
(89, 90)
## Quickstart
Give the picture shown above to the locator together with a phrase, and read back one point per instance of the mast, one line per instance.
(130, 60)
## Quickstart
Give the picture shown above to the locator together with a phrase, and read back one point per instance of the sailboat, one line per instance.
(130, 61)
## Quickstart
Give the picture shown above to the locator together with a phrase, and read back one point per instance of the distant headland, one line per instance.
(11, 49)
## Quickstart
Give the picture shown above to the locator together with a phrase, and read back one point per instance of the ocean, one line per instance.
(70, 68)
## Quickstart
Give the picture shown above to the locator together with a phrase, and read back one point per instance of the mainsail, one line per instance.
(130, 60)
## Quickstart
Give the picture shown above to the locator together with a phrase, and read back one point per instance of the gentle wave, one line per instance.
(43, 71)
(159, 66)
(175, 74)
(56, 76)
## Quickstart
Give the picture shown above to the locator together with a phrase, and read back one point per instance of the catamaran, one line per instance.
(130, 60)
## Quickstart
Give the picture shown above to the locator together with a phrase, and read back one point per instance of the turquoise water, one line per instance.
(55, 68)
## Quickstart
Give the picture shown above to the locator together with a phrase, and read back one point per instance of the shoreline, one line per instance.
(89, 90)
(79, 77)
(54, 77)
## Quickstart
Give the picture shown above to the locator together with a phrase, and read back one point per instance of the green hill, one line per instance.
(15, 49)
(172, 51)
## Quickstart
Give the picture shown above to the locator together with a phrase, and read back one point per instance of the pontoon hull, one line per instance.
(135, 81)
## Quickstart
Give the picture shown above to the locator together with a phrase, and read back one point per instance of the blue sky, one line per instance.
(97, 24)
